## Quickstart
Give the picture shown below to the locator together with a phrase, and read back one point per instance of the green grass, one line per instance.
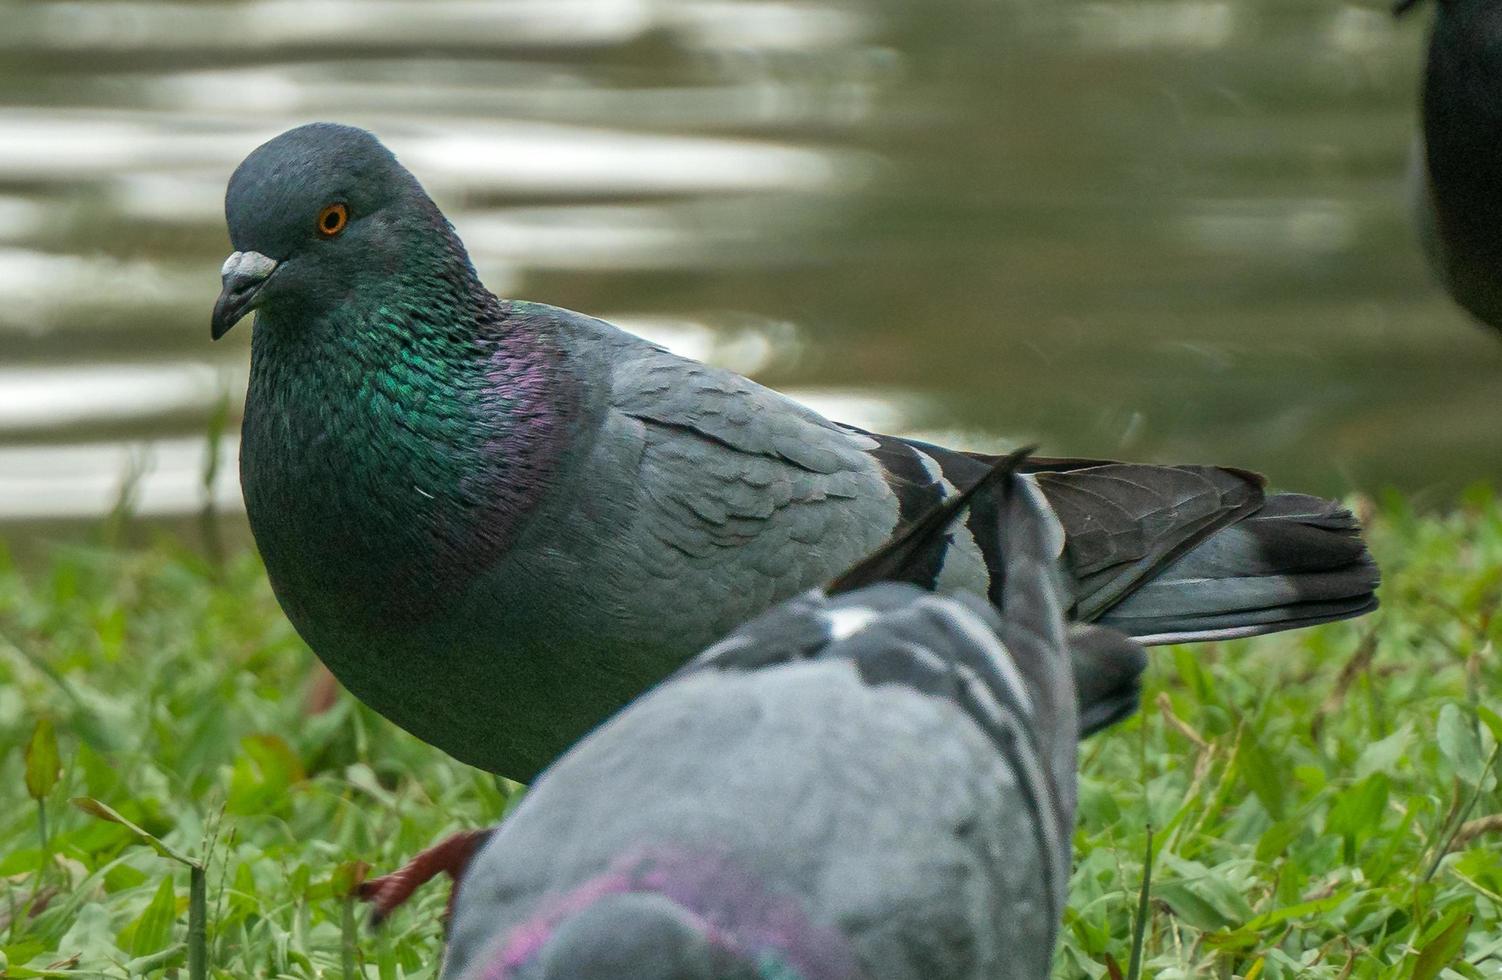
(1317, 800)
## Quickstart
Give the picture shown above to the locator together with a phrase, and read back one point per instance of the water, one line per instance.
(1157, 229)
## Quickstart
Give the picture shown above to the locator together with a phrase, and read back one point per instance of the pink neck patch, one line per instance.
(735, 912)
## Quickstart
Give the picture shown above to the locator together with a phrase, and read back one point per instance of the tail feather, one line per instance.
(1298, 561)
(1124, 522)
(1170, 554)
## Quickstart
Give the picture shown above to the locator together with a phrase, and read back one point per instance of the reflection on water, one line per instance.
(163, 476)
(1158, 228)
(40, 397)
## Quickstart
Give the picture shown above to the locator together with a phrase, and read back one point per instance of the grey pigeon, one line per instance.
(1456, 171)
(497, 522)
(869, 781)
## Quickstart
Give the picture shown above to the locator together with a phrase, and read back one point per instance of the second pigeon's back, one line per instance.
(868, 781)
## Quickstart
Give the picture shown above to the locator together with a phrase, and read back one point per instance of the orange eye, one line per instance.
(332, 219)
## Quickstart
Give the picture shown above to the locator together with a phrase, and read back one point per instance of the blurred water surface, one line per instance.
(1160, 229)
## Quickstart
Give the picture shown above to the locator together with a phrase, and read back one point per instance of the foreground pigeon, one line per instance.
(869, 781)
(1457, 171)
(497, 522)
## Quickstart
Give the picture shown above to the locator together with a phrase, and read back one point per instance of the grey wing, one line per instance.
(752, 494)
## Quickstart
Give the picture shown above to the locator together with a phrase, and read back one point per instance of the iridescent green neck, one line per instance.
(395, 447)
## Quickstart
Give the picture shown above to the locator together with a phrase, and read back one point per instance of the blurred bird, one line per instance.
(497, 522)
(869, 781)
(1456, 172)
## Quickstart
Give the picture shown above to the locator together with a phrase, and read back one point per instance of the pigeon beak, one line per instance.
(244, 274)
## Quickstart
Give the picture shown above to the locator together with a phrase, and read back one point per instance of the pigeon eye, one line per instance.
(332, 219)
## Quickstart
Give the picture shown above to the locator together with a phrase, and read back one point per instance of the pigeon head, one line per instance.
(641, 935)
(321, 216)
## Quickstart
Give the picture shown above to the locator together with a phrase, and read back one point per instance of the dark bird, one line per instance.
(497, 522)
(869, 781)
(1456, 172)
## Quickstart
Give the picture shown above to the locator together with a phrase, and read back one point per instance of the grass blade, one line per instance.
(1441, 951)
(1460, 818)
(198, 916)
(1139, 928)
(105, 812)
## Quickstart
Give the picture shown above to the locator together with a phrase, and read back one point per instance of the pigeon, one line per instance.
(869, 781)
(1455, 170)
(497, 521)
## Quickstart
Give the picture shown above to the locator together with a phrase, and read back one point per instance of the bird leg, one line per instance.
(449, 856)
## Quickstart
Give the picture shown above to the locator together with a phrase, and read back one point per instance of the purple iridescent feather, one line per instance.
(737, 912)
